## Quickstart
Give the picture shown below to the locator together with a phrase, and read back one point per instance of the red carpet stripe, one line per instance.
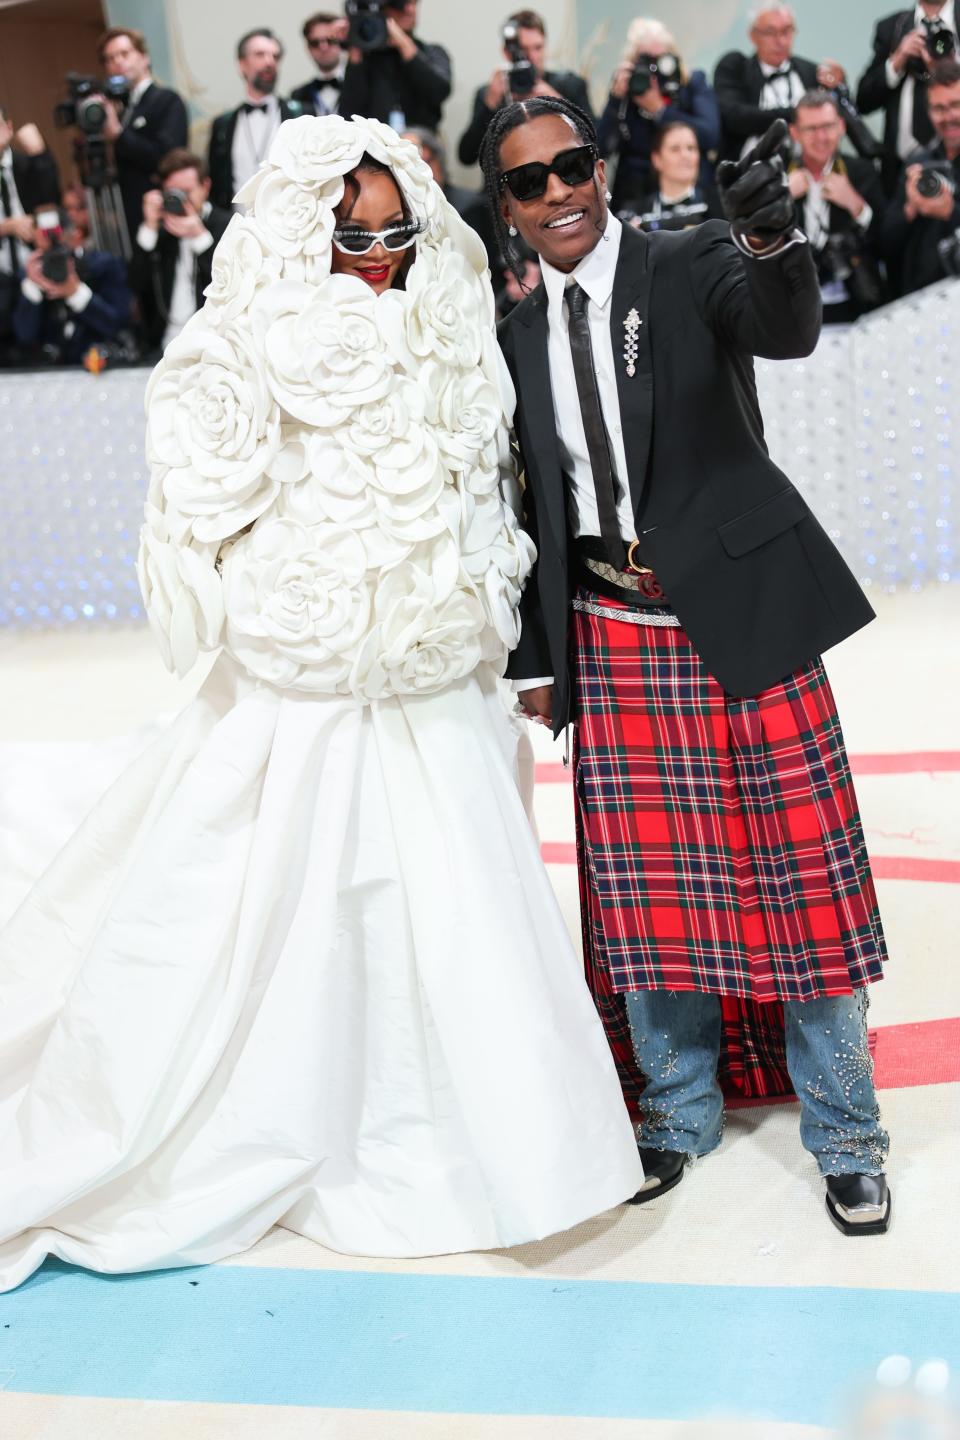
(930, 762)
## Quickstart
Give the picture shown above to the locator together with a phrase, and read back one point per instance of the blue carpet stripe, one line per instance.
(453, 1344)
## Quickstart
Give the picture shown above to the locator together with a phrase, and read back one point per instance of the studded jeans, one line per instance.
(676, 1039)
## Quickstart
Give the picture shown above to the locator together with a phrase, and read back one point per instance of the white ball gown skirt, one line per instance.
(301, 966)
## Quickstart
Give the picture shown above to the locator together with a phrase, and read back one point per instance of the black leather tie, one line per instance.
(5, 201)
(598, 441)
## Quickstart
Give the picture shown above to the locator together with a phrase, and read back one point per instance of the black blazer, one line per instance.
(565, 82)
(36, 179)
(757, 584)
(739, 82)
(158, 123)
(873, 92)
(107, 314)
(152, 274)
(220, 154)
(306, 98)
(911, 247)
(382, 83)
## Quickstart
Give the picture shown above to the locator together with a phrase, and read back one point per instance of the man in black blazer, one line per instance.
(28, 178)
(896, 80)
(752, 90)
(153, 121)
(916, 224)
(840, 207)
(240, 139)
(406, 82)
(324, 35)
(532, 39)
(682, 596)
(175, 243)
(58, 320)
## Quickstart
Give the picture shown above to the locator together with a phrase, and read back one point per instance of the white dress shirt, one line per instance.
(327, 94)
(16, 208)
(907, 142)
(816, 223)
(595, 275)
(781, 92)
(136, 95)
(252, 137)
(183, 297)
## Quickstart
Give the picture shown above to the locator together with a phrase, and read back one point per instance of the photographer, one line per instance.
(402, 81)
(325, 37)
(651, 89)
(525, 46)
(70, 298)
(840, 205)
(678, 201)
(753, 90)
(240, 138)
(173, 255)
(152, 121)
(28, 178)
(905, 47)
(920, 232)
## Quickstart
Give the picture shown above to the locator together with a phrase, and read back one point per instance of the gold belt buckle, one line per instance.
(633, 568)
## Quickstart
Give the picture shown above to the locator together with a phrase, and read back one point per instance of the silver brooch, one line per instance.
(631, 344)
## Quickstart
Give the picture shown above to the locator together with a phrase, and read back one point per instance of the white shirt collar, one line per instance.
(595, 272)
(783, 69)
(138, 91)
(947, 15)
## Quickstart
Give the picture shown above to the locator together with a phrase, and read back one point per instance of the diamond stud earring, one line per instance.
(513, 230)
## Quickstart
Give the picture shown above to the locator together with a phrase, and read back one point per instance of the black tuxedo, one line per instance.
(754, 579)
(873, 93)
(157, 123)
(565, 82)
(306, 97)
(738, 82)
(220, 155)
(152, 274)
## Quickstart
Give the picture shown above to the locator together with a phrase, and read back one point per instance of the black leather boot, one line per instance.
(662, 1169)
(859, 1204)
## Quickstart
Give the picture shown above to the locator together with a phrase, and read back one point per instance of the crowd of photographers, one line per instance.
(113, 259)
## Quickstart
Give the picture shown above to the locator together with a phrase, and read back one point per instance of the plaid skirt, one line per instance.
(720, 847)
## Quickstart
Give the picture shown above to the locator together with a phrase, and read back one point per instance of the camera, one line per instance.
(665, 69)
(934, 179)
(175, 202)
(843, 259)
(86, 109)
(521, 76)
(55, 261)
(950, 254)
(941, 45)
(368, 25)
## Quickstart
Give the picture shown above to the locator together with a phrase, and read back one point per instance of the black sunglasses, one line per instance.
(573, 167)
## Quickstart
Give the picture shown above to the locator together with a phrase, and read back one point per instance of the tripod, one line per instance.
(108, 223)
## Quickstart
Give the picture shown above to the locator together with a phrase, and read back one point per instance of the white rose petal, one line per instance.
(297, 220)
(313, 150)
(242, 264)
(181, 591)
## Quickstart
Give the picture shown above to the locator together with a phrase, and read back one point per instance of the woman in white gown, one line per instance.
(302, 965)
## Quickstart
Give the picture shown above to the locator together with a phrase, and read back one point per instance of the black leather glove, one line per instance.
(754, 191)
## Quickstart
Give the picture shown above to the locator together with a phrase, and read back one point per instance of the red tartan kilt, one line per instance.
(720, 843)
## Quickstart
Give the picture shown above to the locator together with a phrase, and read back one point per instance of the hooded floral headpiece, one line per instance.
(326, 463)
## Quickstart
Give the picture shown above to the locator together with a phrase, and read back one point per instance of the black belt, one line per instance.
(636, 584)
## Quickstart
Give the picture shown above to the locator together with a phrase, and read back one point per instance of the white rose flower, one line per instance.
(181, 591)
(469, 414)
(428, 631)
(412, 172)
(296, 218)
(213, 423)
(313, 150)
(297, 603)
(242, 264)
(324, 353)
(444, 316)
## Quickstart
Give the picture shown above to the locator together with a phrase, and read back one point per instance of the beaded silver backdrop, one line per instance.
(863, 427)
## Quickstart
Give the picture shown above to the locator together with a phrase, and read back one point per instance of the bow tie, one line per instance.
(334, 82)
(249, 108)
(780, 70)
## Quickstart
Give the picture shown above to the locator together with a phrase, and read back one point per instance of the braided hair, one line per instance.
(505, 120)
